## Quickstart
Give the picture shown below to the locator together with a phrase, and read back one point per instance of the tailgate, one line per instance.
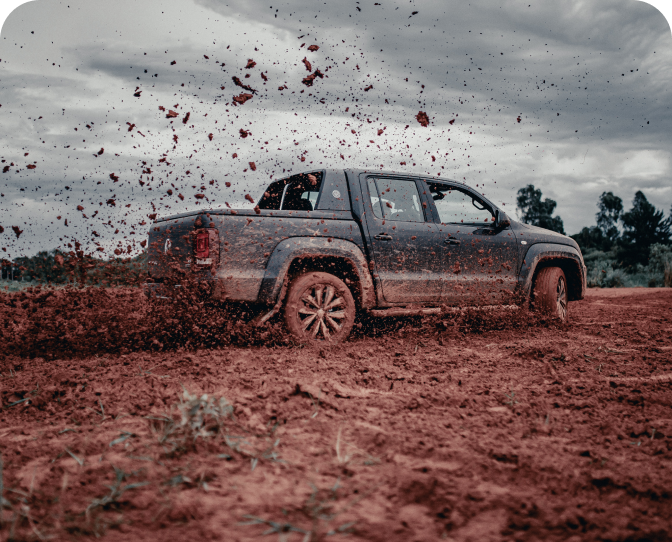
(176, 245)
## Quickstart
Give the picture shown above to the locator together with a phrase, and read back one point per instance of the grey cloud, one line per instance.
(584, 53)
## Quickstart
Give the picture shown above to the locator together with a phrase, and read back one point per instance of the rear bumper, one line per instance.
(209, 288)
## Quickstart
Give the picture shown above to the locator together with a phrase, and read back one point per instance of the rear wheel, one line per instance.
(550, 294)
(319, 307)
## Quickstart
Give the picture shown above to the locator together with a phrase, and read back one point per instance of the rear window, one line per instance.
(296, 193)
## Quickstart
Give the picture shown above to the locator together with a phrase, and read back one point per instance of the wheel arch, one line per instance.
(544, 255)
(338, 257)
(572, 274)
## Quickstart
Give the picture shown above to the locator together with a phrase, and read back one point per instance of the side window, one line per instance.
(301, 193)
(296, 193)
(455, 205)
(272, 197)
(375, 200)
(311, 197)
(396, 199)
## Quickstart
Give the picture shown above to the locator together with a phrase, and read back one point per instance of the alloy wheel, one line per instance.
(321, 311)
(561, 299)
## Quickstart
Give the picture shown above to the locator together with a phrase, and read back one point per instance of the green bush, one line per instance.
(605, 271)
(56, 268)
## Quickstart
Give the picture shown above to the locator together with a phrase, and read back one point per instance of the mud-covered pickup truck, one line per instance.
(324, 245)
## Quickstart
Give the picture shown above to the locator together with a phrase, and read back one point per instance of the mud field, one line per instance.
(424, 431)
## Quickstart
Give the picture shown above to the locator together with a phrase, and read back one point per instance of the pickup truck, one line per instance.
(323, 246)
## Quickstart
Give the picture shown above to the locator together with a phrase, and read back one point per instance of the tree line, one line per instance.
(637, 241)
(75, 268)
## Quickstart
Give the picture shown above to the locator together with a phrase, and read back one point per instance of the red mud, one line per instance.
(460, 429)
(422, 118)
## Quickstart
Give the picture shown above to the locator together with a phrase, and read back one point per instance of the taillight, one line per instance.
(202, 245)
(205, 243)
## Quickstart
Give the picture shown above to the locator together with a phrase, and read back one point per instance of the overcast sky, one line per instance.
(571, 96)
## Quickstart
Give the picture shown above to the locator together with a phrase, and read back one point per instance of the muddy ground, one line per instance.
(428, 432)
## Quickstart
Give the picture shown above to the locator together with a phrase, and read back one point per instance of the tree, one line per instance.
(643, 226)
(45, 266)
(611, 209)
(592, 238)
(537, 212)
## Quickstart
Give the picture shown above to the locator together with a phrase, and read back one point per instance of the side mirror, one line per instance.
(501, 220)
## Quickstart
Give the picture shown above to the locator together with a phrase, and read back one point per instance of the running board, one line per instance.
(401, 311)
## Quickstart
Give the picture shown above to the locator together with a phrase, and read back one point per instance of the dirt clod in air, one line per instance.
(422, 118)
(239, 83)
(242, 98)
(308, 81)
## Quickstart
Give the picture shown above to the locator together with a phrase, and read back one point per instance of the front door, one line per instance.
(403, 241)
(485, 271)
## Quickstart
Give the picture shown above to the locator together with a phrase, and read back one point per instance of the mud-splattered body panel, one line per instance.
(246, 242)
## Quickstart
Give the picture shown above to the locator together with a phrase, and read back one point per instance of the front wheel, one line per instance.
(550, 293)
(319, 307)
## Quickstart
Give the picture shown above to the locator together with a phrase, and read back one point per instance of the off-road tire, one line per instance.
(550, 295)
(304, 311)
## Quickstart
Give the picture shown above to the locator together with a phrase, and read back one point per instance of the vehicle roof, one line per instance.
(405, 174)
(355, 171)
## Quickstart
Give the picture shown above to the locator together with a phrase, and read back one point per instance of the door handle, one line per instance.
(451, 241)
(383, 237)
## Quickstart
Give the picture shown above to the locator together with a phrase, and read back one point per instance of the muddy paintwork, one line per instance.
(483, 258)
(407, 266)
(315, 247)
(394, 262)
(565, 257)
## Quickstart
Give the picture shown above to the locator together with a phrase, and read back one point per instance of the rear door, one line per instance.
(485, 271)
(403, 238)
